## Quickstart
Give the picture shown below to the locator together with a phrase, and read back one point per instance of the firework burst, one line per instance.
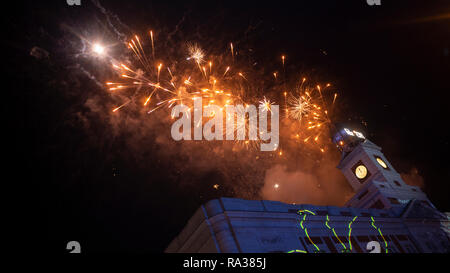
(308, 107)
(173, 89)
(266, 105)
(218, 82)
(196, 53)
(299, 106)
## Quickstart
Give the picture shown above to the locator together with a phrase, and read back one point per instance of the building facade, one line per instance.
(385, 216)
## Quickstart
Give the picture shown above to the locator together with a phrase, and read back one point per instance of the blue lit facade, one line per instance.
(399, 218)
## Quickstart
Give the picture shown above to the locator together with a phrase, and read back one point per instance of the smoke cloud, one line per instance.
(321, 184)
(303, 172)
(413, 178)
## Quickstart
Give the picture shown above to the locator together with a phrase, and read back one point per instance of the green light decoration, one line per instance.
(301, 223)
(373, 221)
(300, 212)
(350, 232)
(345, 249)
(306, 232)
(334, 232)
(297, 251)
(379, 231)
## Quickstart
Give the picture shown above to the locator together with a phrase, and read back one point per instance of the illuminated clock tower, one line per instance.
(376, 183)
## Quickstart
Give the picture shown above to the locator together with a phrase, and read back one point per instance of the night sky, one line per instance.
(390, 63)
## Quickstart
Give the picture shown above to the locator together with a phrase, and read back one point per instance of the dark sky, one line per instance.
(391, 64)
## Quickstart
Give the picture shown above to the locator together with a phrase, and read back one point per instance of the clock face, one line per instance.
(361, 171)
(382, 163)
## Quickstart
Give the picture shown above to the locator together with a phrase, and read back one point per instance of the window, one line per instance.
(363, 194)
(397, 244)
(393, 200)
(303, 244)
(355, 245)
(377, 205)
(342, 238)
(345, 213)
(316, 240)
(380, 239)
(363, 238)
(330, 245)
(397, 183)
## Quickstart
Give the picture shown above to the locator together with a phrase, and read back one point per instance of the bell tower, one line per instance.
(376, 183)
